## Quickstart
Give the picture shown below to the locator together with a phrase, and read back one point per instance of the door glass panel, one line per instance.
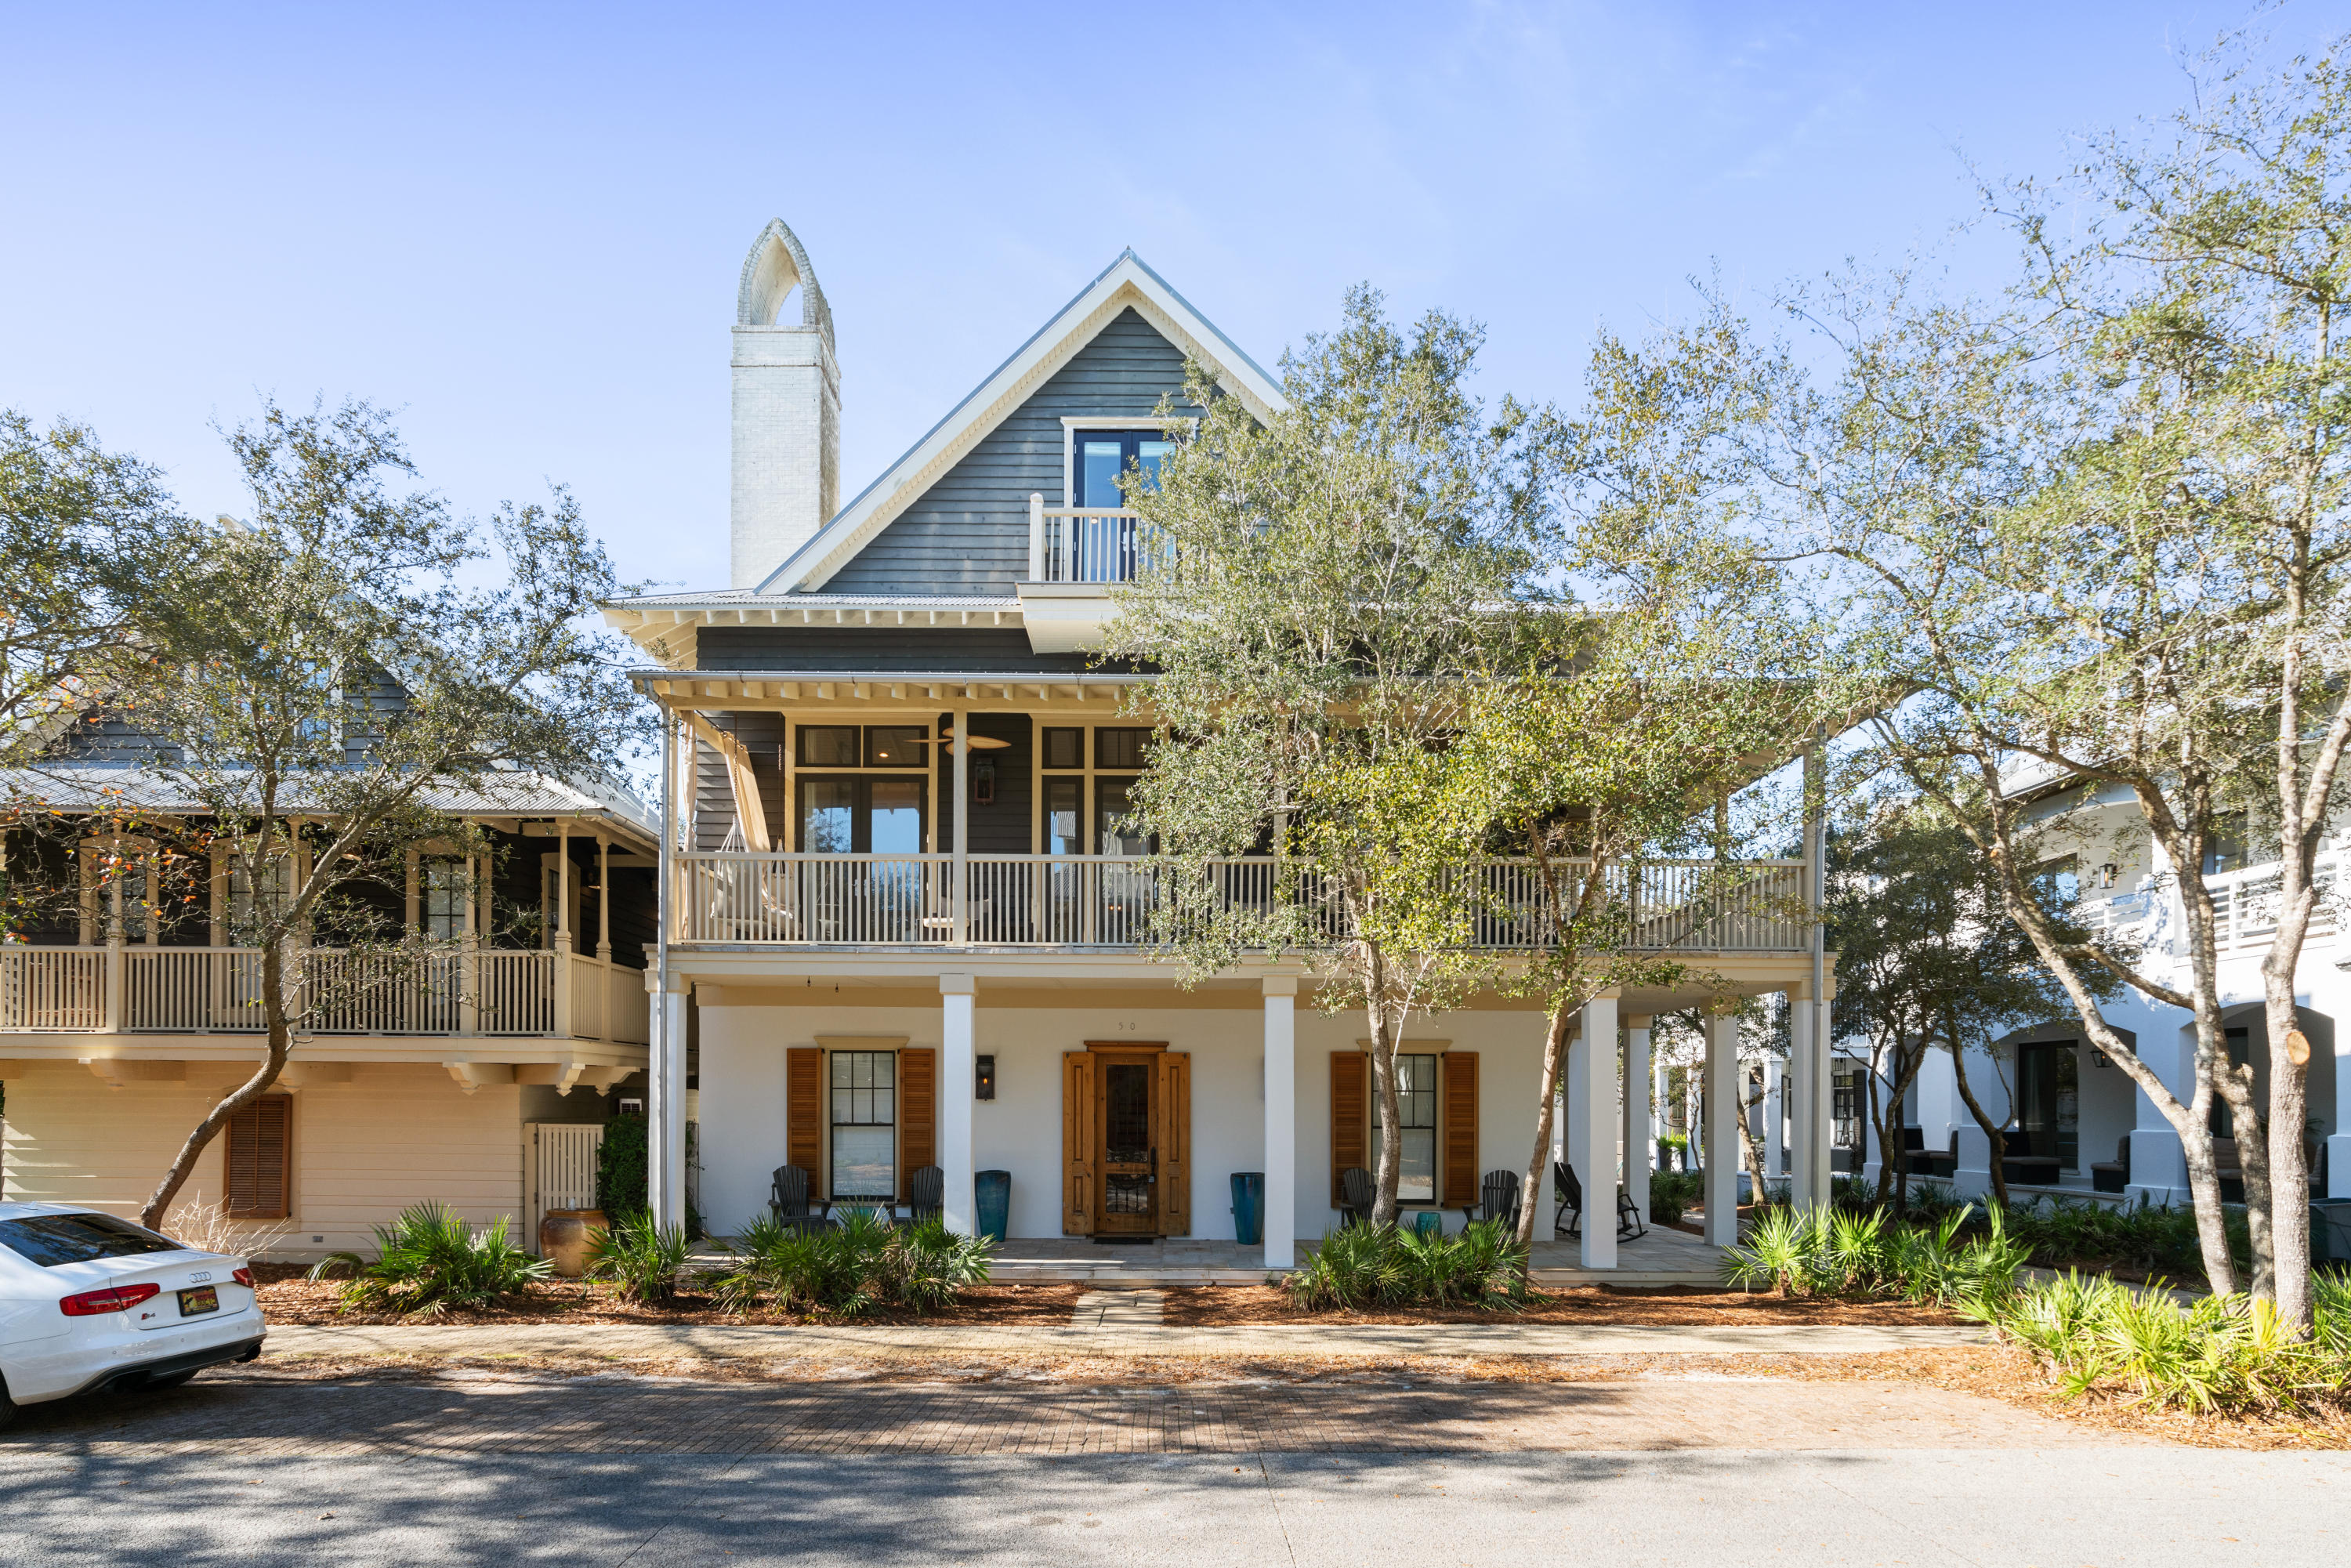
(864, 1124)
(1115, 835)
(827, 813)
(1126, 1118)
(1147, 454)
(1063, 835)
(897, 817)
(1098, 465)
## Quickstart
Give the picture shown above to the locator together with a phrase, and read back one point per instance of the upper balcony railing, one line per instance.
(2245, 905)
(217, 990)
(1085, 544)
(1108, 902)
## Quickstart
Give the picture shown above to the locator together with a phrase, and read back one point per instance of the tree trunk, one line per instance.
(280, 1038)
(1531, 1189)
(1389, 1163)
(2288, 1170)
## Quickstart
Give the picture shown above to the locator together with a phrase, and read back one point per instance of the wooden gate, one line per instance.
(562, 1174)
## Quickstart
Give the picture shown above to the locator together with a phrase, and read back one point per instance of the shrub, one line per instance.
(2213, 1355)
(1362, 1265)
(621, 1166)
(843, 1269)
(1673, 1193)
(430, 1260)
(642, 1258)
(1836, 1252)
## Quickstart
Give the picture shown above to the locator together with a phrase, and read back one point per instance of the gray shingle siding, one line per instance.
(968, 533)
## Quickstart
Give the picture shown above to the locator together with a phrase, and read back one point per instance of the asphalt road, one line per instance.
(2140, 1507)
(467, 1469)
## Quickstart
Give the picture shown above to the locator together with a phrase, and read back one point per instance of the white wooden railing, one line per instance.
(2244, 907)
(1107, 900)
(217, 990)
(1085, 544)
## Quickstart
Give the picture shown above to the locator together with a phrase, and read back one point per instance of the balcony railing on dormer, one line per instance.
(1108, 901)
(216, 990)
(1085, 544)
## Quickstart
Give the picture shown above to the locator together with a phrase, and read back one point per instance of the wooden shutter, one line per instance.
(918, 1112)
(1457, 1113)
(1349, 1133)
(1174, 1135)
(261, 1158)
(804, 1116)
(1078, 1171)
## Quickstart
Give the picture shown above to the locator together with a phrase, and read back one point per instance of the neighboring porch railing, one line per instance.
(1106, 901)
(217, 990)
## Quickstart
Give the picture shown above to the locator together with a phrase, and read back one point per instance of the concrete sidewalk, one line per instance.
(1370, 1342)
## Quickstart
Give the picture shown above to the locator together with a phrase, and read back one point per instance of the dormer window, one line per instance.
(1101, 457)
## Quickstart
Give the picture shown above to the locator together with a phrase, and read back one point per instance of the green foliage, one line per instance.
(622, 1164)
(1673, 1194)
(843, 1269)
(1843, 1252)
(1482, 1265)
(2214, 1355)
(429, 1261)
(642, 1258)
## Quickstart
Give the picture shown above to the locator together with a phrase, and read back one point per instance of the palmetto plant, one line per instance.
(1481, 1265)
(430, 1261)
(850, 1267)
(640, 1257)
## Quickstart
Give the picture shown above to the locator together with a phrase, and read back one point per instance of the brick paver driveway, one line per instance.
(255, 1415)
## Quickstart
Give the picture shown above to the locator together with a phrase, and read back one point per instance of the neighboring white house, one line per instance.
(2086, 1126)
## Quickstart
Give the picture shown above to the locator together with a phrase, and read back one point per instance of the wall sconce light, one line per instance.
(983, 781)
(983, 1086)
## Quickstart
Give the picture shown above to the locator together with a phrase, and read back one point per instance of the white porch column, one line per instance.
(1808, 1087)
(1722, 1099)
(1640, 1143)
(961, 930)
(1775, 1110)
(1572, 1142)
(665, 1108)
(1281, 1216)
(1591, 1103)
(955, 1068)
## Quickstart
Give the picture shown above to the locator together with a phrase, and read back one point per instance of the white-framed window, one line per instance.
(1415, 1127)
(864, 1124)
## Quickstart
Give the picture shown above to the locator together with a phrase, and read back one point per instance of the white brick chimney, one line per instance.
(786, 473)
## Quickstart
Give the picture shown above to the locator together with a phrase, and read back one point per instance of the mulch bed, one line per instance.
(286, 1297)
(1224, 1306)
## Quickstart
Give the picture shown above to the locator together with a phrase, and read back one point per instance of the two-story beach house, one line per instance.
(902, 912)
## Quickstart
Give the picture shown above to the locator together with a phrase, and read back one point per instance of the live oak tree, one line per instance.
(325, 679)
(2097, 538)
(1928, 959)
(85, 535)
(1656, 668)
(1318, 595)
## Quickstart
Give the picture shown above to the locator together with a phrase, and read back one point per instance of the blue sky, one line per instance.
(521, 227)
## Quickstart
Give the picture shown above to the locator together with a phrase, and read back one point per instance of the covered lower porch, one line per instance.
(1662, 1257)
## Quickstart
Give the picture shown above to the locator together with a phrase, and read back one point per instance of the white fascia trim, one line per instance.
(1126, 282)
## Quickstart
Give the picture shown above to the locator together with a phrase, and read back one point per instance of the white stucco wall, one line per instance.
(742, 1100)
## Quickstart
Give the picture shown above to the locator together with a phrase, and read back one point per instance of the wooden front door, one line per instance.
(1127, 1130)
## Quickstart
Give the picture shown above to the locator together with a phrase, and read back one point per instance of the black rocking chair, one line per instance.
(789, 1200)
(1570, 1200)
(1354, 1197)
(926, 1194)
(1498, 1196)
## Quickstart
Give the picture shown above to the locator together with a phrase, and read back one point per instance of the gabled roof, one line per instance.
(1126, 284)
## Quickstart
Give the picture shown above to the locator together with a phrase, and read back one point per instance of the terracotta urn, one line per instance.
(565, 1235)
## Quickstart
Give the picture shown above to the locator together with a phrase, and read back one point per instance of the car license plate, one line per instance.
(201, 1300)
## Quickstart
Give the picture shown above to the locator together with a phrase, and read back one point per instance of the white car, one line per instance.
(91, 1302)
